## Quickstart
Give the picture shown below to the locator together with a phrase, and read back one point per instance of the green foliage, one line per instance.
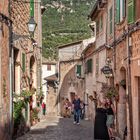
(123, 82)
(65, 26)
(17, 114)
(34, 114)
(111, 92)
(20, 102)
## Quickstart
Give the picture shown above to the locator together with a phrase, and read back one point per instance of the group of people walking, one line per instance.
(104, 118)
(76, 107)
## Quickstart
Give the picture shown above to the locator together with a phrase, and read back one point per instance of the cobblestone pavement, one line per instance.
(56, 128)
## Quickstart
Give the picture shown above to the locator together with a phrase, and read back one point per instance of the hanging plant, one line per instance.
(123, 83)
(111, 93)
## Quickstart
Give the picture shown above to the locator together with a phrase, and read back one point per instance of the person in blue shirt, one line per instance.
(77, 109)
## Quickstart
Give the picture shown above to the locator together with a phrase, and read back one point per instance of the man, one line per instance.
(77, 109)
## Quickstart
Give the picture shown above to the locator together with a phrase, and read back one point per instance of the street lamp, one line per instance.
(31, 25)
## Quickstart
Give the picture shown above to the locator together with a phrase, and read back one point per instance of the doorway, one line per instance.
(72, 96)
(16, 81)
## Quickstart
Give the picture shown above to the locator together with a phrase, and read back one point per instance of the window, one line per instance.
(78, 70)
(101, 23)
(32, 8)
(131, 11)
(49, 67)
(97, 26)
(23, 62)
(110, 20)
(89, 66)
(121, 10)
(97, 64)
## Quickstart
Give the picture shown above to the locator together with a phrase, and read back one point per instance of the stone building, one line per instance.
(49, 85)
(122, 43)
(69, 83)
(99, 16)
(5, 72)
(134, 43)
(89, 75)
(26, 50)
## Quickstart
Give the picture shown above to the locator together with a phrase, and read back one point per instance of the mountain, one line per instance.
(64, 21)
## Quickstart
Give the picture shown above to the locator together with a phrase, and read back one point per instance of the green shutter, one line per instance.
(124, 8)
(101, 23)
(89, 65)
(118, 11)
(130, 11)
(32, 8)
(110, 16)
(23, 62)
(78, 72)
(97, 26)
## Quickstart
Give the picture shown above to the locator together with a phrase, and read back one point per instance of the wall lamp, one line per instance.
(31, 28)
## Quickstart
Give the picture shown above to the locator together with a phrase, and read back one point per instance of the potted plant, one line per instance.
(123, 83)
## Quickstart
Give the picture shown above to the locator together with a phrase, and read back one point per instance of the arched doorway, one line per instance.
(122, 104)
(33, 80)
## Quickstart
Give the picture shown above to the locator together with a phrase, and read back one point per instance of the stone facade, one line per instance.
(99, 15)
(5, 123)
(135, 83)
(48, 87)
(26, 51)
(69, 84)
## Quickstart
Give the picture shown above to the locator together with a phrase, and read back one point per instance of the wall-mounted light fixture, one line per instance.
(31, 26)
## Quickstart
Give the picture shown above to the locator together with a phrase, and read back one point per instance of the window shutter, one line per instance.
(124, 8)
(23, 62)
(89, 65)
(117, 11)
(97, 26)
(32, 8)
(130, 11)
(78, 71)
(111, 25)
(101, 23)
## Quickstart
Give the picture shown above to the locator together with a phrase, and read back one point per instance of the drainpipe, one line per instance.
(129, 85)
(10, 72)
(114, 58)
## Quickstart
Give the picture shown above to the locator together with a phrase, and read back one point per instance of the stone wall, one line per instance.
(135, 78)
(4, 74)
(69, 83)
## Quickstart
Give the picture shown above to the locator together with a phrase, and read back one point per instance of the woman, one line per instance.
(100, 128)
(110, 118)
(67, 108)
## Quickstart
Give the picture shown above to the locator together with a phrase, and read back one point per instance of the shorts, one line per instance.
(110, 120)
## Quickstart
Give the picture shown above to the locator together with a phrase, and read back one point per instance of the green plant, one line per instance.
(17, 114)
(123, 82)
(111, 92)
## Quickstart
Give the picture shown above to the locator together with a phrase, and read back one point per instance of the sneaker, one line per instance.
(74, 122)
(78, 123)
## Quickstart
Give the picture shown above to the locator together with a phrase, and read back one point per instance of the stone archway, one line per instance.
(122, 104)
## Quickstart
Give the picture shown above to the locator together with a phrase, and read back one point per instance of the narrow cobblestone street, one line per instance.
(56, 128)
